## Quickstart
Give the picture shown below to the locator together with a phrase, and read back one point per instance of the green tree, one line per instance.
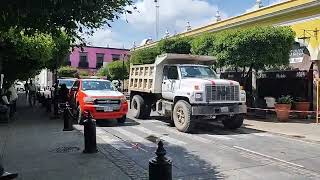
(203, 44)
(175, 45)
(118, 70)
(50, 16)
(103, 72)
(144, 56)
(67, 71)
(253, 48)
(22, 56)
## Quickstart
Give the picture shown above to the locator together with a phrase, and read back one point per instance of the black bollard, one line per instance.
(67, 121)
(90, 142)
(160, 167)
(5, 175)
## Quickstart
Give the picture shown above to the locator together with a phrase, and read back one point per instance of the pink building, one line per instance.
(92, 58)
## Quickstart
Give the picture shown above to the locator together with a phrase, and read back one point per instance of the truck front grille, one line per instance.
(102, 102)
(222, 93)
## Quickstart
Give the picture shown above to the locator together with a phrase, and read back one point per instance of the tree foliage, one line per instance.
(103, 72)
(254, 48)
(50, 16)
(67, 71)
(23, 55)
(203, 45)
(118, 70)
(175, 45)
(144, 56)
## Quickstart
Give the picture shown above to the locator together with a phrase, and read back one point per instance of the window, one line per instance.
(197, 72)
(76, 85)
(170, 72)
(83, 63)
(115, 57)
(100, 57)
(96, 85)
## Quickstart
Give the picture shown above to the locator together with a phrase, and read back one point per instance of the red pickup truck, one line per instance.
(100, 98)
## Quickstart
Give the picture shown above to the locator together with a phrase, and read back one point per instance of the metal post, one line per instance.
(160, 167)
(90, 142)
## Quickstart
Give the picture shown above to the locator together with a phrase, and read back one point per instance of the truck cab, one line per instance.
(185, 88)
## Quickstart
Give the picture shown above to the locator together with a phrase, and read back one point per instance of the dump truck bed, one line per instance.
(148, 77)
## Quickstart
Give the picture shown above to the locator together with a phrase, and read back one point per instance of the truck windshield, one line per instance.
(197, 72)
(97, 85)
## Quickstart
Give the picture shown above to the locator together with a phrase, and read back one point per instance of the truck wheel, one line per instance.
(138, 107)
(234, 122)
(182, 116)
(122, 119)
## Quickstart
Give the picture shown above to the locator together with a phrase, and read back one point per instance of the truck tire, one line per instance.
(138, 107)
(182, 116)
(234, 122)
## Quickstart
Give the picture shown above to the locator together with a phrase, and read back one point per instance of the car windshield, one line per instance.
(67, 82)
(197, 72)
(97, 85)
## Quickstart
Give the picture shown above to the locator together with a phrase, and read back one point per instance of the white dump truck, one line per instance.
(185, 88)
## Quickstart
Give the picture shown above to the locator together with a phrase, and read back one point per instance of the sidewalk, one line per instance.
(36, 147)
(302, 129)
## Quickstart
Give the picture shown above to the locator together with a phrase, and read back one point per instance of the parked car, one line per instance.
(19, 86)
(68, 81)
(100, 98)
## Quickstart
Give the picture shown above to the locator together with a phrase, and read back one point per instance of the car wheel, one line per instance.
(79, 116)
(234, 122)
(122, 119)
(138, 107)
(182, 116)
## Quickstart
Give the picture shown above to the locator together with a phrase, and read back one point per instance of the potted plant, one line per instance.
(302, 105)
(283, 107)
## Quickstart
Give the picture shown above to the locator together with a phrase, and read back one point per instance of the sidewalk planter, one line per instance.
(302, 106)
(283, 107)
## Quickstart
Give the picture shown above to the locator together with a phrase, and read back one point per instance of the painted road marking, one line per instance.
(113, 141)
(267, 156)
(162, 137)
(221, 137)
(190, 136)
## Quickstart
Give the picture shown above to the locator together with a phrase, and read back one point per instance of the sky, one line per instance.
(173, 17)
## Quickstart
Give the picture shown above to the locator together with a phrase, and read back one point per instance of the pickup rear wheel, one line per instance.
(138, 107)
(234, 122)
(79, 115)
(182, 116)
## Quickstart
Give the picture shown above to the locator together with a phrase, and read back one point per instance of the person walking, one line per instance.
(32, 93)
(13, 99)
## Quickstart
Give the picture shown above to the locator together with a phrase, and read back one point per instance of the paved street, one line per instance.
(212, 152)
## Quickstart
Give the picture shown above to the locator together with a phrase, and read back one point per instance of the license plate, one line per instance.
(107, 109)
(224, 109)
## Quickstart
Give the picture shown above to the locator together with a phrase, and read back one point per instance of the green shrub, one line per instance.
(67, 71)
(285, 100)
(118, 70)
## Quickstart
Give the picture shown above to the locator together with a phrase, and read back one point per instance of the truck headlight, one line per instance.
(123, 99)
(198, 97)
(243, 96)
(88, 100)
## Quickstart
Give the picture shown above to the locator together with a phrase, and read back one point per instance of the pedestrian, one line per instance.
(13, 99)
(32, 93)
(4, 107)
(26, 88)
(63, 93)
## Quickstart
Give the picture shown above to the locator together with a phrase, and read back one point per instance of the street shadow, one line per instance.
(186, 164)
(216, 128)
(114, 123)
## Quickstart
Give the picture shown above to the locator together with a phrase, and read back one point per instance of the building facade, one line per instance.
(92, 58)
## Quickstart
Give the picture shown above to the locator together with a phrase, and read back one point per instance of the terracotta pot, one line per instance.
(302, 106)
(283, 111)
